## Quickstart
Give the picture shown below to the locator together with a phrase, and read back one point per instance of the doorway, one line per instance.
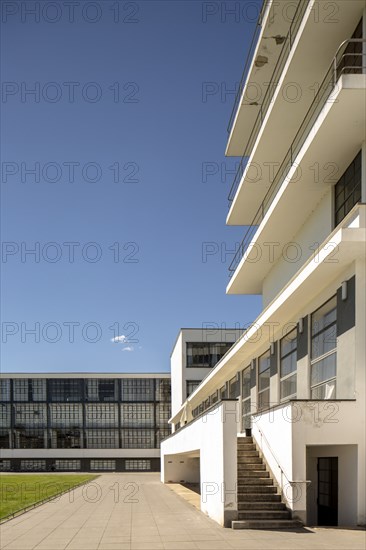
(327, 491)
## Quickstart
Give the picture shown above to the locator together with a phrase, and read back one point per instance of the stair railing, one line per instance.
(291, 483)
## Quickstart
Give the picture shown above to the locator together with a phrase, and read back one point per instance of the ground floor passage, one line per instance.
(136, 511)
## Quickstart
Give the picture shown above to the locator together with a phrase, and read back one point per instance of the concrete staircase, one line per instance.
(259, 504)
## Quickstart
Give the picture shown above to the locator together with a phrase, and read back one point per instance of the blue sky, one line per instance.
(128, 114)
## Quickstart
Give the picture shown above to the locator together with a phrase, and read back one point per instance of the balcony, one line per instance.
(295, 192)
(270, 47)
(287, 100)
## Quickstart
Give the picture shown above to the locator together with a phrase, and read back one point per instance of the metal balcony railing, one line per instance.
(344, 62)
(247, 65)
(286, 48)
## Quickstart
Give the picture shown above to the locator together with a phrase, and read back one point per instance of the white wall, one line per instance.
(273, 433)
(214, 438)
(315, 230)
(177, 375)
(293, 430)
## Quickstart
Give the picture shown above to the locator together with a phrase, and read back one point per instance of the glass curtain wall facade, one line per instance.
(83, 413)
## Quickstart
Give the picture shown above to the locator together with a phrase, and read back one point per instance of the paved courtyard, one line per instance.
(137, 512)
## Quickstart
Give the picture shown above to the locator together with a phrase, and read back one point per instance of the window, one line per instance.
(246, 402)
(162, 433)
(5, 389)
(103, 465)
(234, 387)
(263, 380)
(348, 190)
(163, 389)
(163, 413)
(25, 389)
(66, 389)
(30, 415)
(20, 389)
(67, 465)
(101, 389)
(214, 397)
(137, 465)
(99, 415)
(38, 389)
(137, 439)
(137, 415)
(288, 365)
(102, 439)
(223, 392)
(205, 354)
(192, 385)
(66, 439)
(4, 439)
(33, 465)
(137, 389)
(5, 416)
(29, 439)
(4, 465)
(66, 416)
(324, 351)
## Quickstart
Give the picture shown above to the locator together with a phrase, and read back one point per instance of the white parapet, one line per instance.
(204, 451)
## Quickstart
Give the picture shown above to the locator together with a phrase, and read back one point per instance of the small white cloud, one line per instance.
(120, 339)
(128, 348)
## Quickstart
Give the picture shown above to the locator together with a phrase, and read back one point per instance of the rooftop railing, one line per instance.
(344, 62)
(286, 48)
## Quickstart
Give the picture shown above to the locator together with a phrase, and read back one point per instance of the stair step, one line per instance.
(244, 473)
(254, 481)
(244, 467)
(246, 447)
(258, 497)
(249, 460)
(261, 505)
(257, 489)
(247, 453)
(264, 514)
(266, 524)
(245, 439)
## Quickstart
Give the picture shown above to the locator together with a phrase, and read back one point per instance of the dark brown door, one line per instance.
(328, 491)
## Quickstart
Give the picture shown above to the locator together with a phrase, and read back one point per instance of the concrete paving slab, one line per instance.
(158, 519)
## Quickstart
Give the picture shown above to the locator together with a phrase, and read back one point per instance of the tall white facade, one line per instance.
(296, 377)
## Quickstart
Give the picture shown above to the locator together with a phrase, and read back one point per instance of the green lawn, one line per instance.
(19, 491)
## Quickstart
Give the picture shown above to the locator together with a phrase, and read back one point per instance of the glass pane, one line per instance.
(288, 386)
(289, 364)
(264, 362)
(246, 382)
(324, 369)
(38, 389)
(263, 400)
(263, 381)
(324, 316)
(289, 343)
(325, 391)
(324, 342)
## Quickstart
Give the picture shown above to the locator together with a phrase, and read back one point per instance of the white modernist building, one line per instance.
(196, 351)
(276, 431)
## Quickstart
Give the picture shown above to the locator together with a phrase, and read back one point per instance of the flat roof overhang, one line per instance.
(269, 45)
(308, 63)
(317, 273)
(333, 142)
